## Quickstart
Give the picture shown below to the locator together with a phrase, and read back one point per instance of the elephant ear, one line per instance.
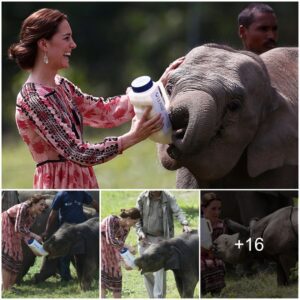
(276, 141)
(173, 262)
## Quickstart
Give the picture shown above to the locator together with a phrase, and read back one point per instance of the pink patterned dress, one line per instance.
(16, 223)
(113, 237)
(212, 268)
(50, 121)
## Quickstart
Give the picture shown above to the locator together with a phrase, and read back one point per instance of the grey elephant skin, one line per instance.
(235, 119)
(81, 241)
(179, 254)
(279, 232)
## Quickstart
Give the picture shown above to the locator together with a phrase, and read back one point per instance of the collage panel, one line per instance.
(144, 232)
(50, 244)
(249, 244)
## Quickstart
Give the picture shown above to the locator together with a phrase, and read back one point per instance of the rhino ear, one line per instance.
(276, 141)
(172, 262)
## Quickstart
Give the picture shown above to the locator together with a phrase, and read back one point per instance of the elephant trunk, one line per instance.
(193, 116)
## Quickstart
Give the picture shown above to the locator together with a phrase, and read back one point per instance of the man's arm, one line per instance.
(53, 217)
(95, 205)
(139, 224)
(178, 212)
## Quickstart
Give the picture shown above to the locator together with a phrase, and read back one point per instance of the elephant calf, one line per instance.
(179, 254)
(279, 233)
(82, 240)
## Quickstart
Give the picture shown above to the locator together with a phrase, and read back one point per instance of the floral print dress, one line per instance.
(113, 237)
(50, 121)
(16, 223)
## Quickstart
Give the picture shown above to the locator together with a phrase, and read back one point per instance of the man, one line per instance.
(157, 209)
(258, 28)
(67, 206)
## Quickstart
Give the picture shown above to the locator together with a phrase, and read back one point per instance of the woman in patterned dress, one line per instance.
(212, 268)
(51, 110)
(114, 231)
(16, 223)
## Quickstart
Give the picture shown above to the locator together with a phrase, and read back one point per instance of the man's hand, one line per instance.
(186, 228)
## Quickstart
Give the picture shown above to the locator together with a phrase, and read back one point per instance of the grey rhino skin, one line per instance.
(234, 116)
(83, 236)
(179, 254)
(279, 232)
(242, 206)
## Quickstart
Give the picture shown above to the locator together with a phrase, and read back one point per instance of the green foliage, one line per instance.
(137, 167)
(51, 288)
(113, 201)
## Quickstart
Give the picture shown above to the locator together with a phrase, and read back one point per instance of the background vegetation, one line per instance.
(113, 201)
(116, 42)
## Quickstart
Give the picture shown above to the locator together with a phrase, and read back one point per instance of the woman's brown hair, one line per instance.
(35, 199)
(132, 213)
(207, 198)
(41, 24)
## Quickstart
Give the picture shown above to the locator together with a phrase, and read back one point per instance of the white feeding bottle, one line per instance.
(37, 248)
(146, 93)
(128, 258)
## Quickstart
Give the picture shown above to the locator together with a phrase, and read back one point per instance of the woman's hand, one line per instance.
(127, 267)
(37, 237)
(174, 65)
(142, 129)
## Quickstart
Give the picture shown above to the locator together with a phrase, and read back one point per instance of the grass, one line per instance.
(51, 288)
(261, 285)
(113, 201)
(137, 167)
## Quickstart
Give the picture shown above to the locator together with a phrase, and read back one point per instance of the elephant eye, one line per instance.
(234, 105)
(169, 88)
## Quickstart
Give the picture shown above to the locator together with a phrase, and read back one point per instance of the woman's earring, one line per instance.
(46, 60)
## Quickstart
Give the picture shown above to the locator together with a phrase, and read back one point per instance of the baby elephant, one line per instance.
(273, 237)
(179, 254)
(81, 241)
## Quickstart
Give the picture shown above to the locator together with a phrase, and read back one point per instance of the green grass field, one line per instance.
(137, 167)
(261, 285)
(51, 288)
(113, 201)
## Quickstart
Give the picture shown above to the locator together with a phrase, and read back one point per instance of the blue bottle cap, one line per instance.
(30, 241)
(123, 250)
(141, 84)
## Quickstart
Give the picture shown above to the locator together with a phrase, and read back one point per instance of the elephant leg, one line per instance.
(189, 283)
(185, 179)
(178, 280)
(88, 272)
(79, 267)
(49, 268)
(85, 268)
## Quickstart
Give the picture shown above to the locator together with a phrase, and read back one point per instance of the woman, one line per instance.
(16, 223)
(51, 110)
(212, 268)
(114, 231)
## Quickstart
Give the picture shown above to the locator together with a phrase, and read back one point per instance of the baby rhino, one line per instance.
(273, 237)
